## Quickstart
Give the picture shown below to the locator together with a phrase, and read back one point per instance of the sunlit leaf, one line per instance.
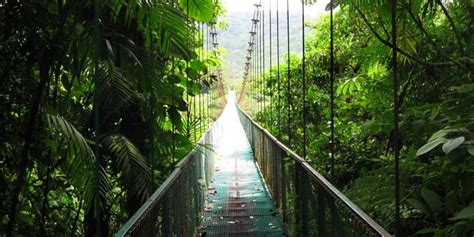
(429, 146)
(452, 144)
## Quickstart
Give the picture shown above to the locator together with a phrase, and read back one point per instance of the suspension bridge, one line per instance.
(243, 181)
(248, 184)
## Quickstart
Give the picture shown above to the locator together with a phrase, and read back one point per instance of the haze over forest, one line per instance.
(235, 38)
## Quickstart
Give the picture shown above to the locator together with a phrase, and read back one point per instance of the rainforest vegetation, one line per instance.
(436, 97)
(100, 99)
(139, 67)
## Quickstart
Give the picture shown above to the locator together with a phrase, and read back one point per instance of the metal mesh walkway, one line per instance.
(237, 201)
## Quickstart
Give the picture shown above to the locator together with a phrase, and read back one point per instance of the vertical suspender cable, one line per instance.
(251, 74)
(201, 105)
(252, 84)
(257, 96)
(256, 65)
(188, 112)
(208, 79)
(173, 129)
(194, 107)
(331, 75)
(254, 52)
(278, 71)
(259, 59)
(263, 56)
(249, 53)
(396, 134)
(153, 113)
(259, 38)
(259, 55)
(98, 214)
(270, 71)
(288, 82)
(303, 181)
(303, 72)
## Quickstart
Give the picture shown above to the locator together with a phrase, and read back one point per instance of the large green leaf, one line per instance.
(81, 162)
(115, 90)
(127, 158)
(430, 146)
(201, 10)
(465, 213)
(432, 199)
(124, 153)
(471, 150)
(419, 205)
(452, 144)
(445, 131)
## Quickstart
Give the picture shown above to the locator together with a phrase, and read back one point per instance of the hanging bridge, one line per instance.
(241, 180)
(247, 183)
(117, 118)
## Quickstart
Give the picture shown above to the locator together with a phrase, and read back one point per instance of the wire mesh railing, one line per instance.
(309, 204)
(175, 208)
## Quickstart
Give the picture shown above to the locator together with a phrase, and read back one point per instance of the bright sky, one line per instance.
(295, 5)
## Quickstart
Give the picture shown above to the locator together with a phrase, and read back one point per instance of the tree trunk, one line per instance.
(30, 127)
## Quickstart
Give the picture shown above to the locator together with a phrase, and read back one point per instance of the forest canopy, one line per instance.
(95, 108)
(99, 100)
(435, 95)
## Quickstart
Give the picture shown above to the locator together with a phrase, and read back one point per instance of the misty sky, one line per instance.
(295, 5)
(243, 9)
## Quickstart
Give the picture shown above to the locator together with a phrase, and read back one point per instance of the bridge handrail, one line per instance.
(358, 213)
(148, 212)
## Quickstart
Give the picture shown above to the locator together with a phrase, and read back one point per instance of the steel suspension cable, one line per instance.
(97, 110)
(208, 79)
(303, 69)
(188, 112)
(252, 78)
(259, 60)
(278, 71)
(270, 71)
(194, 106)
(251, 70)
(263, 57)
(173, 127)
(201, 82)
(257, 65)
(331, 78)
(396, 132)
(288, 82)
(259, 35)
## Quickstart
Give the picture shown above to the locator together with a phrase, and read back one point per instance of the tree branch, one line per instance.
(423, 30)
(386, 42)
(464, 62)
(451, 22)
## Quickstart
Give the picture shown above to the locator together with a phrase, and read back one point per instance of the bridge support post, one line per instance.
(319, 210)
(301, 201)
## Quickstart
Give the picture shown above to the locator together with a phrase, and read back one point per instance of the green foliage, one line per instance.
(201, 10)
(436, 119)
(151, 70)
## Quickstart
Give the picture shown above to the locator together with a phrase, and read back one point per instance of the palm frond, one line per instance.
(192, 126)
(124, 154)
(173, 31)
(81, 161)
(127, 158)
(114, 88)
(201, 10)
